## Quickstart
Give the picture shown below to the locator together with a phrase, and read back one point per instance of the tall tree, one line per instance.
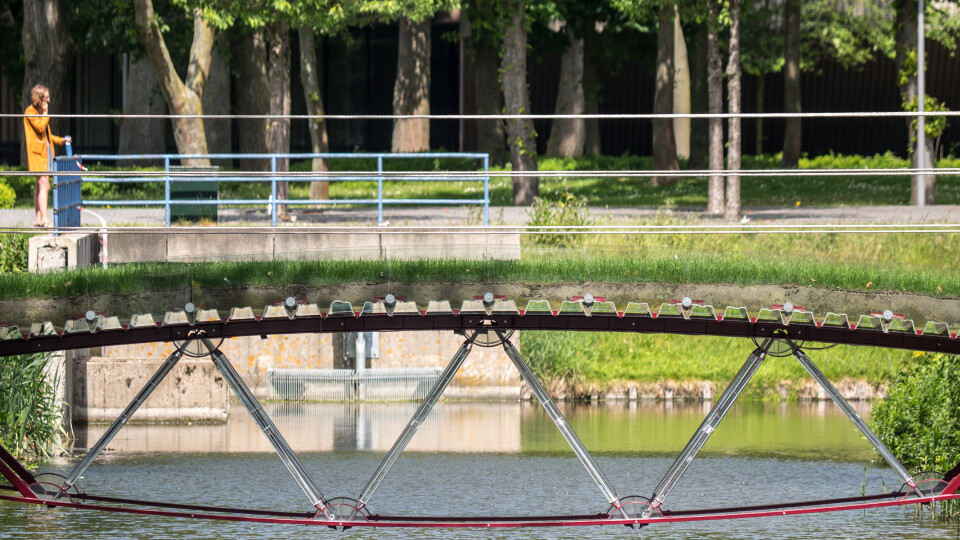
(319, 140)
(791, 83)
(699, 99)
(734, 74)
(252, 94)
(183, 96)
(906, 61)
(715, 194)
(278, 74)
(681, 89)
(591, 87)
(411, 91)
(762, 50)
(664, 139)
(520, 133)
(47, 56)
(483, 49)
(568, 135)
(139, 135)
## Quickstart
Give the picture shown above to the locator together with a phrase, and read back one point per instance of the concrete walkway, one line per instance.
(511, 215)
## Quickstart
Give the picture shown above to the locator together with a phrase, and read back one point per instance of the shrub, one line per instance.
(569, 211)
(7, 196)
(13, 252)
(920, 419)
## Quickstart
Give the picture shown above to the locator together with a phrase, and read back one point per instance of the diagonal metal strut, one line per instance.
(418, 417)
(121, 420)
(708, 426)
(844, 405)
(551, 408)
(266, 425)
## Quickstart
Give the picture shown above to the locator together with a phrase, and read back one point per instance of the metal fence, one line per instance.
(67, 200)
(378, 384)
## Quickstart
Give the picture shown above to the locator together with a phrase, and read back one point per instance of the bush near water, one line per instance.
(920, 419)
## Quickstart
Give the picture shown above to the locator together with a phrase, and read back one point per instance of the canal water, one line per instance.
(487, 459)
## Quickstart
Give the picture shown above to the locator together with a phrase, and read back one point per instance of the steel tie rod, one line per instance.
(551, 408)
(121, 420)
(418, 417)
(267, 426)
(708, 426)
(844, 405)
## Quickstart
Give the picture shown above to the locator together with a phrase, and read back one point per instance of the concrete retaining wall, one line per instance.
(293, 245)
(194, 390)
(105, 384)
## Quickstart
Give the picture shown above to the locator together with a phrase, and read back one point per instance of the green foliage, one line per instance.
(847, 33)
(569, 211)
(29, 421)
(933, 125)
(14, 252)
(920, 419)
(7, 195)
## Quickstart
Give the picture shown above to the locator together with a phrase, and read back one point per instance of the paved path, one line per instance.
(510, 215)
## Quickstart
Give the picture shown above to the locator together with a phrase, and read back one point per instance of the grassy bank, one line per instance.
(584, 363)
(132, 278)
(613, 192)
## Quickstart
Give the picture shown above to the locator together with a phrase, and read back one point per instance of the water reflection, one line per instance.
(488, 459)
(787, 430)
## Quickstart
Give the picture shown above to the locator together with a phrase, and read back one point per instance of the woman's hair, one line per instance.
(36, 95)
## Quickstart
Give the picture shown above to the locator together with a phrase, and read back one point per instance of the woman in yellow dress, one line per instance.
(40, 141)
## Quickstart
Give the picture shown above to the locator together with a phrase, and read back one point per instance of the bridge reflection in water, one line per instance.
(806, 430)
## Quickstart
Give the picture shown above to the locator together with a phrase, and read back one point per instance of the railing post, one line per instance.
(380, 190)
(166, 191)
(273, 191)
(56, 196)
(486, 190)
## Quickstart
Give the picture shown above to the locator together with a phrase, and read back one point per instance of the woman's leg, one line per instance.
(40, 200)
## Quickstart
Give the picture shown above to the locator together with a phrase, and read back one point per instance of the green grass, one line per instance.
(130, 278)
(612, 192)
(590, 361)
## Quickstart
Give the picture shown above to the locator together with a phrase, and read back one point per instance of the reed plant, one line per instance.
(30, 423)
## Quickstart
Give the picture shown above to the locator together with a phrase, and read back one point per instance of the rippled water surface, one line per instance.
(487, 459)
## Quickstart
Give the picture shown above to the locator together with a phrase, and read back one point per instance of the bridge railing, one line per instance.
(67, 197)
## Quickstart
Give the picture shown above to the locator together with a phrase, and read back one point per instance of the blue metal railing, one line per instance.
(66, 190)
(67, 197)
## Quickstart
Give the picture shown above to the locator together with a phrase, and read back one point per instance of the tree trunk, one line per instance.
(591, 89)
(758, 146)
(139, 135)
(664, 140)
(699, 99)
(906, 51)
(733, 94)
(681, 89)
(489, 99)
(252, 96)
(791, 83)
(520, 134)
(278, 76)
(216, 101)
(567, 136)
(715, 93)
(319, 142)
(411, 92)
(48, 57)
(183, 96)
